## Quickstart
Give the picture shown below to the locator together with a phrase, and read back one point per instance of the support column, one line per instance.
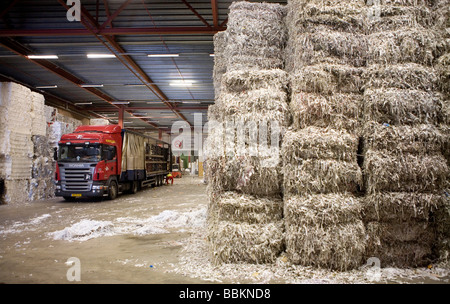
(121, 113)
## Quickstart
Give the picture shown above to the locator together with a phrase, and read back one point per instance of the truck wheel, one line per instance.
(113, 190)
(134, 187)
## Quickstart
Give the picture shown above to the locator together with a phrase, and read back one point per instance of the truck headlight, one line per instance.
(97, 187)
(58, 187)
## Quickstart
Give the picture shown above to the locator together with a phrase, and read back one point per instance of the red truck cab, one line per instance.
(89, 162)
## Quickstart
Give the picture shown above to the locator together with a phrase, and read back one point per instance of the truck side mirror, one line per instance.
(55, 153)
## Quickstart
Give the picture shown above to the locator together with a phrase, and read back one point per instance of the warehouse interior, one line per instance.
(309, 141)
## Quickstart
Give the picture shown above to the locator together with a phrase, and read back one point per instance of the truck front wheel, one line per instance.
(113, 190)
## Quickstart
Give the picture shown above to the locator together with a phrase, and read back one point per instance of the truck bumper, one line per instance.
(98, 190)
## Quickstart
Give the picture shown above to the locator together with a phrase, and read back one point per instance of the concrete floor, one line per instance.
(155, 236)
(28, 254)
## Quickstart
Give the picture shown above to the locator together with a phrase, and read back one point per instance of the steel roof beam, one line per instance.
(215, 13)
(132, 31)
(196, 13)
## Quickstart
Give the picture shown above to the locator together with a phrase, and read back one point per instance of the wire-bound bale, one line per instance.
(328, 79)
(220, 64)
(403, 244)
(398, 172)
(321, 176)
(325, 231)
(402, 106)
(401, 76)
(401, 206)
(249, 175)
(256, 36)
(443, 70)
(246, 243)
(338, 111)
(270, 105)
(247, 80)
(404, 45)
(238, 207)
(319, 143)
(442, 218)
(326, 46)
(336, 15)
(322, 209)
(418, 139)
(382, 18)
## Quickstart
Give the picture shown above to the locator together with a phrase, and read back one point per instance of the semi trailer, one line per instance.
(104, 161)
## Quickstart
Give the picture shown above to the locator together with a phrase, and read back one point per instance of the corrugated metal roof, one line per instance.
(120, 79)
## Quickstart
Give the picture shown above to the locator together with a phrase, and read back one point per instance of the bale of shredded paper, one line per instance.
(341, 16)
(268, 104)
(214, 113)
(401, 76)
(256, 36)
(338, 111)
(389, 171)
(406, 244)
(220, 64)
(321, 176)
(442, 218)
(246, 243)
(249, 175)
(384, 18)
(327, 46)
(247, 80)
(401, 206)
(324, 230)
(338, 247)
(441, 11)
(322, 209)
(443, 70)
(319, 143)
(243, 208)
(328, 79)
(418, 139)
(402, 106)
(404, 45)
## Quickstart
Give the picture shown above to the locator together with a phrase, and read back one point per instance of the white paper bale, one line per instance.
(38, 122)
(16, 191)
(99, 122)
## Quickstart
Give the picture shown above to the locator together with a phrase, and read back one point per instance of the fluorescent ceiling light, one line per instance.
(211, 55)
(82, 103)
(96, 56)
(163, 55)
(120, 102)
(42, 57)
(92, 86)
(196, 102)
(181, 83)
(47, 87)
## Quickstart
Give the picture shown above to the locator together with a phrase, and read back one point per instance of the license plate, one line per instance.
(76, 195)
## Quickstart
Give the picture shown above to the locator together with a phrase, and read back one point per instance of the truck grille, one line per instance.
(73, 179)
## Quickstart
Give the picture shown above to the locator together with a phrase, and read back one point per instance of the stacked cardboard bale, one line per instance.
(41, 185)
(442, 65)
(244, 172)
(16, 145)
(322, 211)
(405, 171)
(26, 143)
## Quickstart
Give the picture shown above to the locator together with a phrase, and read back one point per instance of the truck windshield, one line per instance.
(79, 153)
